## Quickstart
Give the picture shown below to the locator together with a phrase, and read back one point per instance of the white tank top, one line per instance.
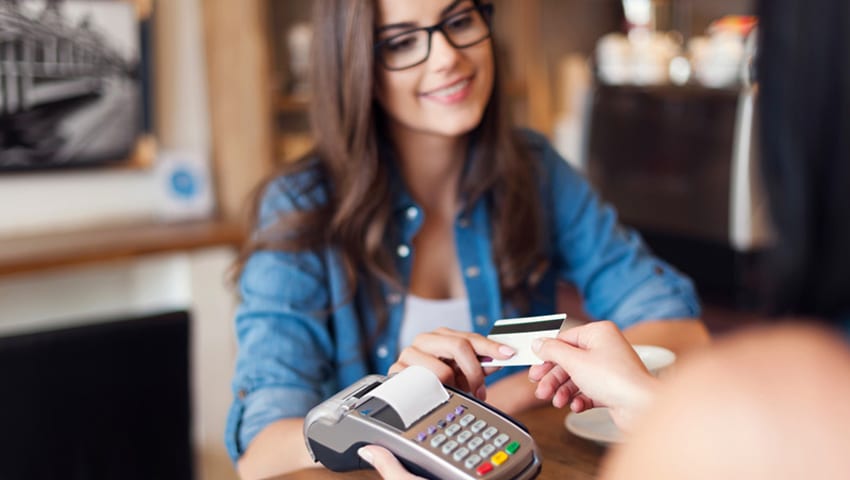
(422, 315)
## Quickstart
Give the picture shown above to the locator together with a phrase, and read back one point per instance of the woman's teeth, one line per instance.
(445, 92)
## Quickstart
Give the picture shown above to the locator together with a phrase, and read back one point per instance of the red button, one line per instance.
(484, 468)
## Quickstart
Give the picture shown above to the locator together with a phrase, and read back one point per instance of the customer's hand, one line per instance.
(454, 357)
(385, 463)
(593, 365)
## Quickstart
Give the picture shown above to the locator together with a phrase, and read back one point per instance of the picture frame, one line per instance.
(75, 84)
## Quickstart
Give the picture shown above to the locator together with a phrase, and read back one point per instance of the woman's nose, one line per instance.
(443, 55)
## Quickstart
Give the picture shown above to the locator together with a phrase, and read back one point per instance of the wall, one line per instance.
(51, 202)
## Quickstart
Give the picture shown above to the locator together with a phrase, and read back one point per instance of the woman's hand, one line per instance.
(454, 357)
(593, 365)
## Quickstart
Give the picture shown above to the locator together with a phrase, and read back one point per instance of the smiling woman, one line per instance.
(419, 188)
(450, 98)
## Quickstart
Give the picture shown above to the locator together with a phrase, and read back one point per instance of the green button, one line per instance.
(512, 448)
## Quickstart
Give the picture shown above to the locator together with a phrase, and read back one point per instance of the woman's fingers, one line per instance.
(460, 380)
(397, 367)
(581, 403)
(556, 351)
(482, 345)
(549, 384)
(463, 349)
(537, 372)
(564, 394)
(415, 356)
(600, 362)
(456, 349)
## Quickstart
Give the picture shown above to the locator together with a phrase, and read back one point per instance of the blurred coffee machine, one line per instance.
(679, 162)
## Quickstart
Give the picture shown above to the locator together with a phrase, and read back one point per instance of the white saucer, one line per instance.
(594, 424)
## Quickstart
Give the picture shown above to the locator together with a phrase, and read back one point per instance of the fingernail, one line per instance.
(365, 454)
(506, 350)
(481, 393)
(536, 344)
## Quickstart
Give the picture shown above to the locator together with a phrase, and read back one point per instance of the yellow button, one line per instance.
(499, 458)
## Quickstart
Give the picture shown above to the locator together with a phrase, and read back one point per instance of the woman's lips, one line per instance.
(452, 93)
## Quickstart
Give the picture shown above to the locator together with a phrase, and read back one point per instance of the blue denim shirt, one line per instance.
(298, 334)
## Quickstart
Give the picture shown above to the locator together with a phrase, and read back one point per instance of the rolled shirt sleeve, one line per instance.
(285, 360)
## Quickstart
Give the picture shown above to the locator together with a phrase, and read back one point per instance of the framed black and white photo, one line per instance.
(75, 85)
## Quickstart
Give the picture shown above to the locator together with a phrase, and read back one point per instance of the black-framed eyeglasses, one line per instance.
(462, 29)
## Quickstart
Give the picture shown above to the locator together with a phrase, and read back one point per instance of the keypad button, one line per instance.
(499, 458)
(441, 424)
(475, 443)
(484, 468)
(449, 446)
(460, 453)
(478, 426)
(467, 419)
(512, 448)
(472, 461)
(463, 436)
(421, 437)
(459, 409)
(489, 432)
(438, 440)
(432, 430)
(501, 439)
(452, 429)
(450, 417)
(486, 450)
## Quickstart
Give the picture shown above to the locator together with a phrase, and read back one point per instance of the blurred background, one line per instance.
(115, 313)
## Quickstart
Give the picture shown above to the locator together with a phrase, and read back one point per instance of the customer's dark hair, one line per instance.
(804, 81)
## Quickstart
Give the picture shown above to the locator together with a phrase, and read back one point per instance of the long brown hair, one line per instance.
(354, 163)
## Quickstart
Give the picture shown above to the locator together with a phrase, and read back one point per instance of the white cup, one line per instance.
(656, 359)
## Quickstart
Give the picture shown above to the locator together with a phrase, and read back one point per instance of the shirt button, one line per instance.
(412, 212)
(481, 320)
(403, 251)
(383, 351)
(463, 223)
(472, 272)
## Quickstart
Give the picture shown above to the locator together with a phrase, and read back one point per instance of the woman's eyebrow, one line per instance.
(409, 25)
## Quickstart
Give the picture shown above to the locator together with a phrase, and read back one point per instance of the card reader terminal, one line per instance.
(435, 431)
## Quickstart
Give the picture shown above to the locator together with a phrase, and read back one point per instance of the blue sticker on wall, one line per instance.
(184, 183)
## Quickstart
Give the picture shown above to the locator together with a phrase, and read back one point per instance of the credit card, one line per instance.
(519, 333)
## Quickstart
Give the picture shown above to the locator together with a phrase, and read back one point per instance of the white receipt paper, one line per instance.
(412, 392)
(519, 333)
